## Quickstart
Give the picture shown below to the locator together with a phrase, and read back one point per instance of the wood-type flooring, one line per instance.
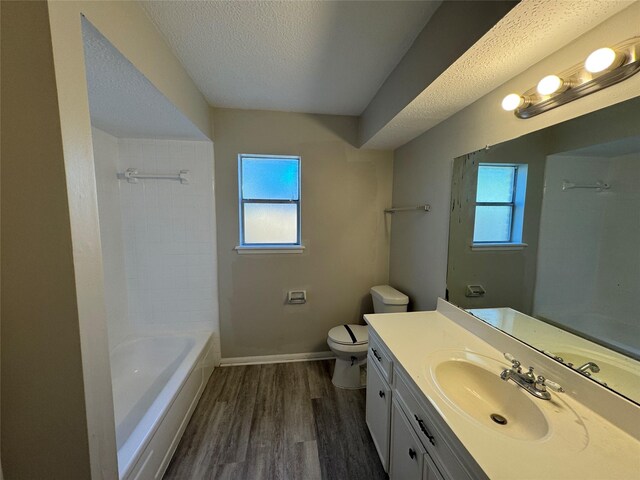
(278, 421)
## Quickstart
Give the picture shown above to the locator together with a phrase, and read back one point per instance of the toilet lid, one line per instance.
(349, 334)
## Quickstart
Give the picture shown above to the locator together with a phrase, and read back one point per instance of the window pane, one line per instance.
(493, 224)
(270, 223)
(495, 184)
(267, 178)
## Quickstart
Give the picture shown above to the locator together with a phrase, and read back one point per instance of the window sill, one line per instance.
(484, 247)
(268, 249)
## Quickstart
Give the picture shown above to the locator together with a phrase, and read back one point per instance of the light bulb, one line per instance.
(512, 101)
(600, 60)
(550, 84)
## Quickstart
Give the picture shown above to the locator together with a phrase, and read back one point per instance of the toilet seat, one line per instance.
(349, 335)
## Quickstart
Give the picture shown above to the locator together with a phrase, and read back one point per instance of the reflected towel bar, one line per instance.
(132, 175)
(598, 186)
(425, 208)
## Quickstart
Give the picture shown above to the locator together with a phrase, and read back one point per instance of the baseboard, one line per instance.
(287, 357)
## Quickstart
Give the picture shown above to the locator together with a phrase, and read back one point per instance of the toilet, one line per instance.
(350, 342)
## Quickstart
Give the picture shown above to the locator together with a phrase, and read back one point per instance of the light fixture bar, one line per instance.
(577, 81)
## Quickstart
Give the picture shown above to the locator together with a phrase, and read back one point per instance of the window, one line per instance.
(269, 201)
(500, 197)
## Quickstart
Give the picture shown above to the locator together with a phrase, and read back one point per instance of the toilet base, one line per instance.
(348, 376)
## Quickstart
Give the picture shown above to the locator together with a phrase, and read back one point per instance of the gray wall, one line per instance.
(44, 423)
(344, 230)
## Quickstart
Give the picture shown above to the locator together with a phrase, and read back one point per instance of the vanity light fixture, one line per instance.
(602, 68)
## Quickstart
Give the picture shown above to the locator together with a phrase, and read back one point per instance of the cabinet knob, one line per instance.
(412, 453)
(381, 393)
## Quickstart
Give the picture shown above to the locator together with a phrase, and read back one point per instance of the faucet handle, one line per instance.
(556, 387)
(542, 383)
(514, 363)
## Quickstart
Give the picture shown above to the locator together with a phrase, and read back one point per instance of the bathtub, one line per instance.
(606, 330)
(157, 382)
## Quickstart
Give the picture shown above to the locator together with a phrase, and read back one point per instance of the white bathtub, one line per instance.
(603, 329)
(157, 381)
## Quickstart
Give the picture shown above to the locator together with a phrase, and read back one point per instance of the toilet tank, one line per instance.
(387, 299)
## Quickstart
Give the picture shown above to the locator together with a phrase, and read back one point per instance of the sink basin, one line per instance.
(470, 384)
(619, 374)
(485, 397)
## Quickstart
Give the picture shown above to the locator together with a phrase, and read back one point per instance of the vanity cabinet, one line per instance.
(412, 440)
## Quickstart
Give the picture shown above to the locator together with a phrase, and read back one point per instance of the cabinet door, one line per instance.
(378, 412)
(407, 453)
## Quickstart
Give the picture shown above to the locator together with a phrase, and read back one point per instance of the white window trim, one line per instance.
(519, 197)
(264, 248)
(484, 247)
(268, 249)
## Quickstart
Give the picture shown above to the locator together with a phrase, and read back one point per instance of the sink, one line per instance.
(484, 396)
(470, 384)
(618, 374)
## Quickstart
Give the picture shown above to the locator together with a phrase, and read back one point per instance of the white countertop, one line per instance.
(596, 448)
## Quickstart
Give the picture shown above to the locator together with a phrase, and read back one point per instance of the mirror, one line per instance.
(544, 242)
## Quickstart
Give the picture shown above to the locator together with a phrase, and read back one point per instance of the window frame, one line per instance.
(269, 247)
(516, 204)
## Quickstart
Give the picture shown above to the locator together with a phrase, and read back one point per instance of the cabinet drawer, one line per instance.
(379, 412)
(423, 423)
(379, 356)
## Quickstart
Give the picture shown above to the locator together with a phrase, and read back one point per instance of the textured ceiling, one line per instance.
(530, 32)
(303, 56)
(122, 101)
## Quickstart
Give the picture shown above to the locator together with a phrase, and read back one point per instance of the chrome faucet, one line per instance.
(536, 386)
(588, 367)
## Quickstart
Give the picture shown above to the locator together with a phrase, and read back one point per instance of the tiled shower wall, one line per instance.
(105, 153)
(588, 256)
(619, 269)
(569, 241)
(166, 253)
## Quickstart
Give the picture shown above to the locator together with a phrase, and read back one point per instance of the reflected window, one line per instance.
(269, 200)
(500, 197)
